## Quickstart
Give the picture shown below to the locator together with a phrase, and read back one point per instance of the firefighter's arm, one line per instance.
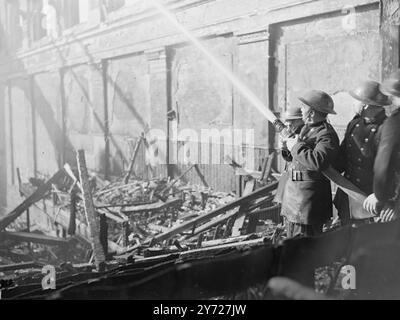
(319, 157)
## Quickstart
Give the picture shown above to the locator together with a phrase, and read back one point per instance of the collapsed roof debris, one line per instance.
(134, 220)
(139, 241)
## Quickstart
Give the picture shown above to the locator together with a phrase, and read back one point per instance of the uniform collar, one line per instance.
(317, 124)
(373, 114)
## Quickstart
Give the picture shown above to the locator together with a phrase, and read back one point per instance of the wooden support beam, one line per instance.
(252, 224)
(229, 225)
(125, 233)
(217, 231)
(72, 212)
(131, 165)
(200, 240)
(104, 233)
(32, 199)
(153, 206)
(20, 266)
(99, 254)
(208, 216)
(267, 166)
(201, 176)
(32, 237)
(241, 216)
(112, 216)
(167, 188)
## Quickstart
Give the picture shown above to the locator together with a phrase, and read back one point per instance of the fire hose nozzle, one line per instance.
(282, 129)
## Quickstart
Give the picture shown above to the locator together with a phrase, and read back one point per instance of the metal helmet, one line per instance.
(392, 84)
(293, 114)
(318, 100)
(369, 92)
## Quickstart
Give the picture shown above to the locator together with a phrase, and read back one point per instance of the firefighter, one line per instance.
(293, 121)
(386, 182)
(359, 148)
(307, 200)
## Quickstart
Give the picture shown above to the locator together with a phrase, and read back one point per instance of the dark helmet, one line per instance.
(319, 101)
(293, 114)
(369, 92)
(392, 84)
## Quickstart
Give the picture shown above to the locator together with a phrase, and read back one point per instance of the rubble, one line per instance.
(141, 220)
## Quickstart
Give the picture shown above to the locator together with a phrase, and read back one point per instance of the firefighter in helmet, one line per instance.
(386, 177)
(359, 148)
(307, 199)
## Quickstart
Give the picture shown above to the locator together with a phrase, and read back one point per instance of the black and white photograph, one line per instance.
(199, 154)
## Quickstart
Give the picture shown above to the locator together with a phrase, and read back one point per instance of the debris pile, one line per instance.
(108, 225)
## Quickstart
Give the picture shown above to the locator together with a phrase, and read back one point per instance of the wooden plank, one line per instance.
(32, 199)
(152, 207)
(112, 216)
(208, 216)
(32, 237)
(239, 222)
(99, 205)
(72, 211)
(267, 166)
(211, 224)
(103, 234)
(125, 233)
(99, 254)
(20, 266)
(229, 225)
(131, 165)
(163, 191)
(201, 176)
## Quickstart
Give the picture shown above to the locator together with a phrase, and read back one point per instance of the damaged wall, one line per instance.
(128, 91)
(99, 87)
(47, 138)
(330, 54)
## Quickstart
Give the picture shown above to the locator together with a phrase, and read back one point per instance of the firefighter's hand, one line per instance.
(291, 142)
(371, 204)
(282, 144)
(387, 214)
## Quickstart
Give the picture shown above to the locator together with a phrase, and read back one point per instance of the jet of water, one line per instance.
(229, 75)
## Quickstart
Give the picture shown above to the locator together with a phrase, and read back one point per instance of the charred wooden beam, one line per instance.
(32, 199)
(213, 223)
(157, 206)
(32, 237)
(72, 211)
(132, 163)
(20, 266)
(104, 233)
(241, 216)
(201, 176)
(168, 187)
(99, 254)
(267, 166)
(208, 216)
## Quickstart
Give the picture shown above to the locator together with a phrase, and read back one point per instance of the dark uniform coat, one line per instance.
(307, 197)
(387, 162)
(357, 156)
(283, 179)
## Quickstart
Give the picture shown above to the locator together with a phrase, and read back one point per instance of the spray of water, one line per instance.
(236, 82)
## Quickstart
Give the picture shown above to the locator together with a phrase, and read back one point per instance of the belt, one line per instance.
(305, 175)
